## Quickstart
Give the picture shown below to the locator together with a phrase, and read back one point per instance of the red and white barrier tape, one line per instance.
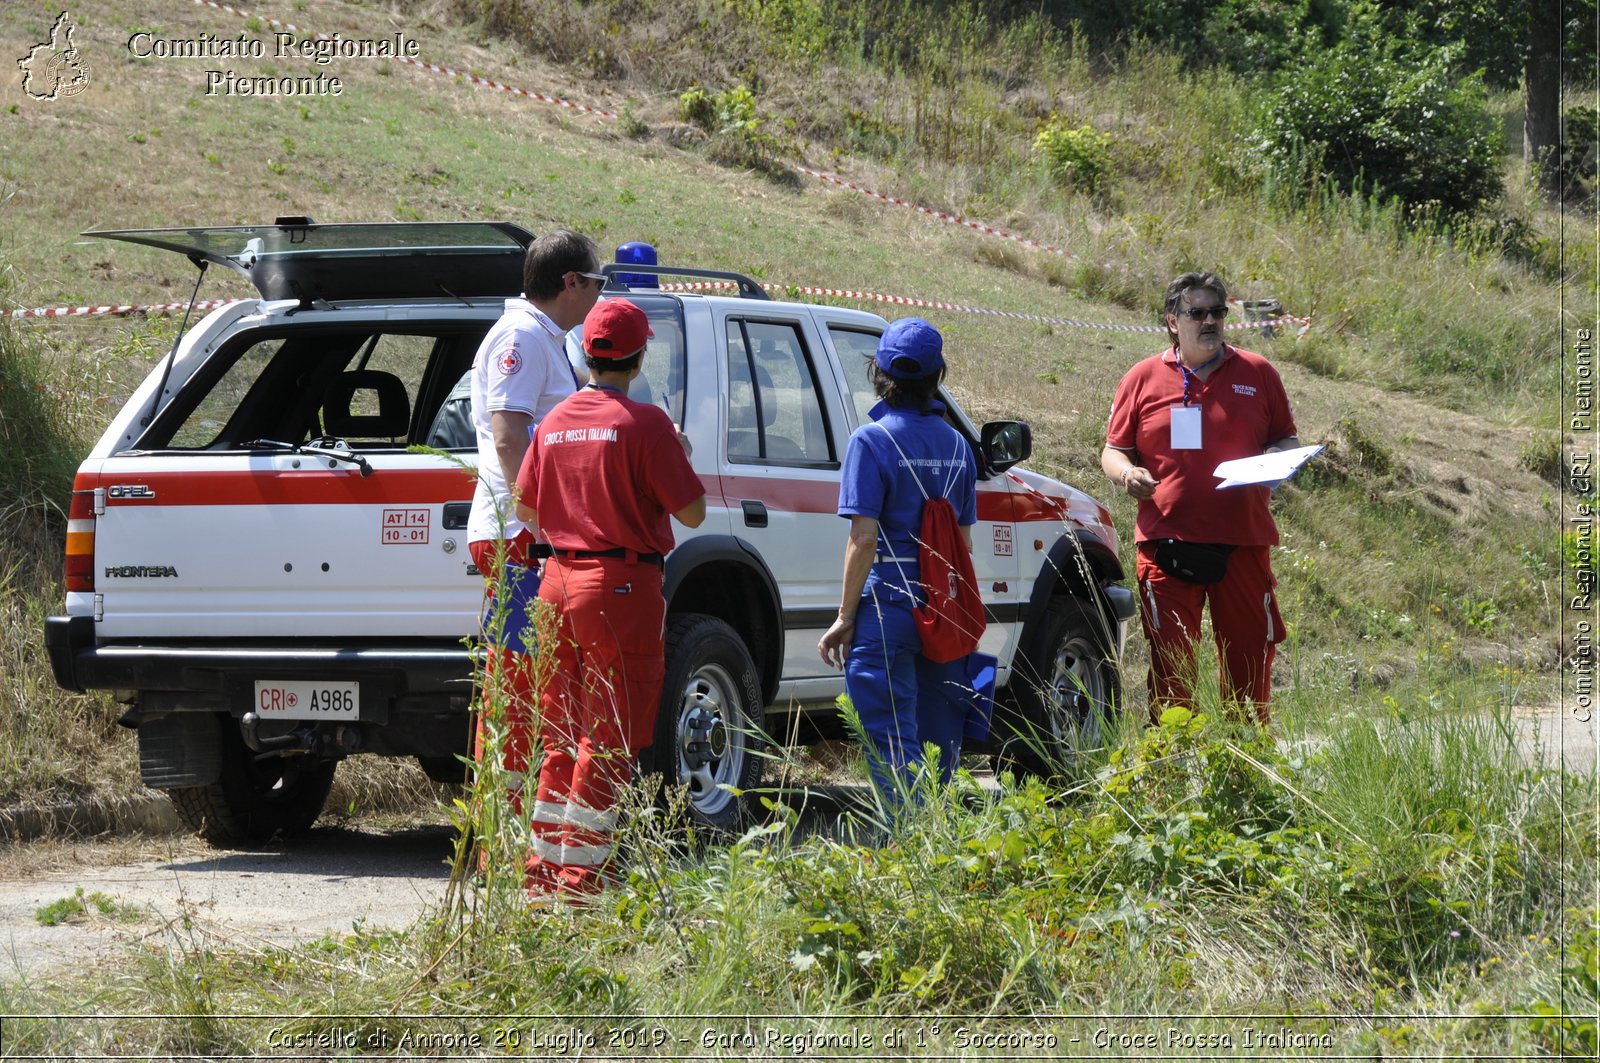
(94, 311)
(432, 68)
(1281, 321)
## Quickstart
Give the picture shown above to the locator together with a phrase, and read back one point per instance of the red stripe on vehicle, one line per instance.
(300, 487)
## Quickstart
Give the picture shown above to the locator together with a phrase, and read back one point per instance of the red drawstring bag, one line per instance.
(952, 621)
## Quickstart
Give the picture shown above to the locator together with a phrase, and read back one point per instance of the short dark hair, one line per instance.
(914, 394)
(554, 255)
(1185, 283)
(613, 365)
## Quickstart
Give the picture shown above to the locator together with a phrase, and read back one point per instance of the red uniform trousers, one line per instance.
(599, 711)
(1244, 619)
(509, 672)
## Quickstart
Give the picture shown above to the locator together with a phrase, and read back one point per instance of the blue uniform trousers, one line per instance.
(904, 700)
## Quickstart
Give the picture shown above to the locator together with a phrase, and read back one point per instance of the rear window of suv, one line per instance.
(376, 389)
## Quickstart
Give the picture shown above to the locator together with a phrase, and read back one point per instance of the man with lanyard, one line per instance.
(598, 485)
(1175, 417)
(518, 375)
(906, 453)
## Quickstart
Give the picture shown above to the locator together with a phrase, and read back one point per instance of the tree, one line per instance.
(1515, 42)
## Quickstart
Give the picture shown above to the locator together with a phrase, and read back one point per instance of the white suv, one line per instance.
(272, 579)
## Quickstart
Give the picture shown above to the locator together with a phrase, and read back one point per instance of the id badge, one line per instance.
(1185, 428)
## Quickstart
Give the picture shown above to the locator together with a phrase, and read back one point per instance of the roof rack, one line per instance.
(748, 289)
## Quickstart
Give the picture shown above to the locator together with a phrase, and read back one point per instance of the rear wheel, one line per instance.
(254, 798)
(1065, 689)
(708, 731)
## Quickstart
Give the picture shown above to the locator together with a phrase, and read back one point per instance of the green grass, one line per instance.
(81, 907)
(1406, 865)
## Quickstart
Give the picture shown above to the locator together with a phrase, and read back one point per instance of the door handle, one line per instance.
(456, 514)
(755, 514)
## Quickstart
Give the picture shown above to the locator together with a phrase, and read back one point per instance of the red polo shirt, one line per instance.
(605, 472)
(1243, 407)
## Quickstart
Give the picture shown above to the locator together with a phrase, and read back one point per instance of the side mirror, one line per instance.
(1003, 444)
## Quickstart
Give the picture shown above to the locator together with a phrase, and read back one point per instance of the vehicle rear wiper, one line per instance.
(326, 447)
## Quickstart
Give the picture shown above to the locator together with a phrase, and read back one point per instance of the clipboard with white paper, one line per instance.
(1264, 470)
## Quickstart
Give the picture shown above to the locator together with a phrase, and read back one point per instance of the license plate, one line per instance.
(307, 699)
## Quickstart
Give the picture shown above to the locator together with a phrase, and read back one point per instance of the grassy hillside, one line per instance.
(1420, 571)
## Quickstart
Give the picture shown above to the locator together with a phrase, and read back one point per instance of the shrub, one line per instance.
(1076, 158)
(1384, 117)
(696, 107)
(735, 110)
(731, 110)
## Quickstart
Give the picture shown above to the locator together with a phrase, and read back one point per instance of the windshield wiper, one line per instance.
(319, 446)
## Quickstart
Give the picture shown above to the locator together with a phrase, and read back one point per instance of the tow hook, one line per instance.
(293, 742)
(344, 740)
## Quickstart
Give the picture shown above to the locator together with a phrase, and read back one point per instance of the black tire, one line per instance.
(254, 799)
(1064, 689)
(709, 729)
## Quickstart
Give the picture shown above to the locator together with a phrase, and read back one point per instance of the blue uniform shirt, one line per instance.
(874, 482)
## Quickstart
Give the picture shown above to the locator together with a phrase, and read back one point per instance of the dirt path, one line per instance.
(324, 881)
(1553, 735)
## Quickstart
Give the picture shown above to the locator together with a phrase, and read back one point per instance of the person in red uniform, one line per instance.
(1175, 417)
(602, 477)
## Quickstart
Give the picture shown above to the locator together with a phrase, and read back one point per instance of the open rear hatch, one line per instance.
(295, 258)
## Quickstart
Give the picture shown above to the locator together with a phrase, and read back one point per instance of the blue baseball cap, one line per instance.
(910, 349)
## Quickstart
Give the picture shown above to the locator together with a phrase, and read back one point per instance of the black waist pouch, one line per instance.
(1194, 562)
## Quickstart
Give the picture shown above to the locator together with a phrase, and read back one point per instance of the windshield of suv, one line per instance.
(661, 382)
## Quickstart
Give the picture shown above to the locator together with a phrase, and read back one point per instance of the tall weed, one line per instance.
(52, 742)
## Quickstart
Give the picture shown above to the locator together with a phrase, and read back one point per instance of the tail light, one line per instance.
(86, 502)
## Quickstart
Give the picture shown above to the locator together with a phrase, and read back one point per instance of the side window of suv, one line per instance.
(775, 413)
(208, 420)
(370, 400)
(856, 348)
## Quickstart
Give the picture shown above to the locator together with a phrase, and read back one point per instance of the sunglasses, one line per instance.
(1200, 313)
(598, 278)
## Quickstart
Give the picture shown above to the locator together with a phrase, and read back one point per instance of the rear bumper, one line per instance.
(80, 663)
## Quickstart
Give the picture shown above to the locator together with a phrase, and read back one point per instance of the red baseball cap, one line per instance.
(615, 328)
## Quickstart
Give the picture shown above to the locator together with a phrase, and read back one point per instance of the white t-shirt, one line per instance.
(521, 366)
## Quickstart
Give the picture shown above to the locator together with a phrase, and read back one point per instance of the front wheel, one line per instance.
(1065, 689)
(708, 734)
(254, 798)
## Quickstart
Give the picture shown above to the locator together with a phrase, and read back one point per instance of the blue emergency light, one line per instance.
(637, 253)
